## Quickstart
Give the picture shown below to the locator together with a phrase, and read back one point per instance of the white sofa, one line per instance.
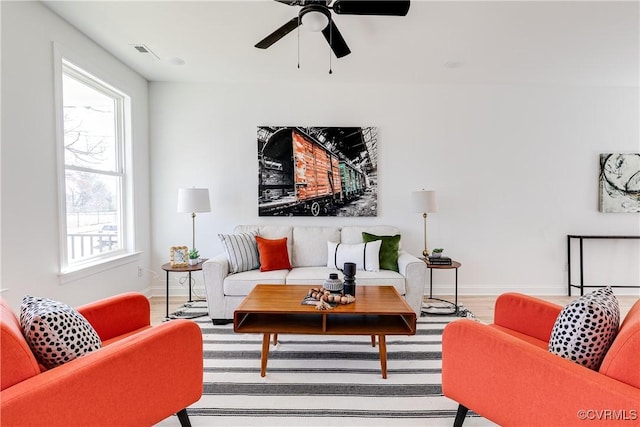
(307, 247)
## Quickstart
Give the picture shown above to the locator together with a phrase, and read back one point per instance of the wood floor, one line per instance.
(480, 306)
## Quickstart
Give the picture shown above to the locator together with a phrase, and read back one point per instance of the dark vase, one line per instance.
(349, 271)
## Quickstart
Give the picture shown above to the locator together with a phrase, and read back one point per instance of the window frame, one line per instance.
(71, 270)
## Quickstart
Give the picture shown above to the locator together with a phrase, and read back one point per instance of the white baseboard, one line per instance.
(537, 290)
(176, 291)
(147, 292)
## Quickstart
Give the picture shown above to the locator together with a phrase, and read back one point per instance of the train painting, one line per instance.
(317, 171)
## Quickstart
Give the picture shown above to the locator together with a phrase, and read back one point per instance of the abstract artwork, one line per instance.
(317, 171)
(620, 182)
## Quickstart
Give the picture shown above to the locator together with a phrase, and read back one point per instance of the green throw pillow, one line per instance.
(388, 250)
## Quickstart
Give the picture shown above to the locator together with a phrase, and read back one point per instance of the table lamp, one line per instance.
(425, 201)
(194, 200)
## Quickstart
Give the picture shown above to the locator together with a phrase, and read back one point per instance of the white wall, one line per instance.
(30, 250)
(516, 169)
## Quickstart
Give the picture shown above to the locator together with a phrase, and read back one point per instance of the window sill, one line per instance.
(86, 270)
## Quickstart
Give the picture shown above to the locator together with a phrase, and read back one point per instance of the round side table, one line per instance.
(188, 269)
(453, 266)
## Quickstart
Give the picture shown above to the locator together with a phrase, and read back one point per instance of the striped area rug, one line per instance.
(316, 380)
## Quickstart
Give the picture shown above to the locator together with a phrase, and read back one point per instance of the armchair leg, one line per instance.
(460, 415)
(184, 418)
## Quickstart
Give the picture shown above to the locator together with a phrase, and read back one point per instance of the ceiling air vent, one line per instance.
(144, 49)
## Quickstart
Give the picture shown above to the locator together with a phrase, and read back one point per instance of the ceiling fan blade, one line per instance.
(372, 7)
(291, 2)
(278, 34)
(335, 40)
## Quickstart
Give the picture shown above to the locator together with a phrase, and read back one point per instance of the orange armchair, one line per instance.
(140, 376)
(504, 372)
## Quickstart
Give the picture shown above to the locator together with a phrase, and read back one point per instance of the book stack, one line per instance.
(441, 260)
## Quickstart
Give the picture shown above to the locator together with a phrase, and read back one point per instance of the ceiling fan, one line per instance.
(316, 16)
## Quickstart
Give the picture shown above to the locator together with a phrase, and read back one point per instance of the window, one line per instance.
(94, 118)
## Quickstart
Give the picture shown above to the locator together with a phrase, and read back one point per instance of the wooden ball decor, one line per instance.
(325, 298)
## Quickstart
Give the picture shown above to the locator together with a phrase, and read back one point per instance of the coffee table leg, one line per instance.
(373, 340)
(265, 354)
(275, 339)
(382, 346)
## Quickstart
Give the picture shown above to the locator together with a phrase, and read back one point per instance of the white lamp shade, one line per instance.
(315, 21)
(424, 201)
(193, 200)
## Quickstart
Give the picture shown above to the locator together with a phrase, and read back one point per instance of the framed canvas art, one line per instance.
(317, 171)
(620, 182)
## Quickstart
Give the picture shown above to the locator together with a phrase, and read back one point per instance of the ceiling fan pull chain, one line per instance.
(298, 42)
(330, 43)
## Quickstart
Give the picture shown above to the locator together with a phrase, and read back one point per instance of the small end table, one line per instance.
(188, 269)
(453, 266)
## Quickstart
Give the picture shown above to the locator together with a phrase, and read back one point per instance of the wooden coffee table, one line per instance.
(277, 309)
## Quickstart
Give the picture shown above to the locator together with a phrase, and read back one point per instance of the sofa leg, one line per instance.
(184, 418)
(460, 415)
(218, 322)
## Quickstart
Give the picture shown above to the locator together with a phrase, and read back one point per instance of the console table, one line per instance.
(581, 238)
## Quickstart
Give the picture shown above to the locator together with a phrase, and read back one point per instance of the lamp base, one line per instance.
(439, 306)
(425, 252)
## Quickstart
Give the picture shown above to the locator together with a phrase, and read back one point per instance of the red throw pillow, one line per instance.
(273, 254)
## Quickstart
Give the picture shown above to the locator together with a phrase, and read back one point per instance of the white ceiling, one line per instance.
(476, 42)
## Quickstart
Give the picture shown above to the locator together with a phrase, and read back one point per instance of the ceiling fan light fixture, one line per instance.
(317, 16)
(314, 19)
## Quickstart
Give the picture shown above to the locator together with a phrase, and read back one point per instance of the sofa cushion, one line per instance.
(388, 249)
(353, 234)
(241, 250)
(273, 254)
(382, 277)
(620, 363)
(310, 245)
(311, 275)
(241, 284)
(317, 275)
(586, 327)
(366, 256)
(55, 332)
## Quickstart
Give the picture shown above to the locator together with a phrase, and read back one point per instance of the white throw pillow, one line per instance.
(364, 255)
(242, 251)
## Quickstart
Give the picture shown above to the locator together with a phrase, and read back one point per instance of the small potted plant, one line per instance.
(437, 252)
(194, 257)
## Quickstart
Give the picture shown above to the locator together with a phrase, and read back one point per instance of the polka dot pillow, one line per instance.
(586, 328)
(55, 332)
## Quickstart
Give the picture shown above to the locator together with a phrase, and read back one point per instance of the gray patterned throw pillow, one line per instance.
(241, 250)
(55, 332)
(586, 328)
